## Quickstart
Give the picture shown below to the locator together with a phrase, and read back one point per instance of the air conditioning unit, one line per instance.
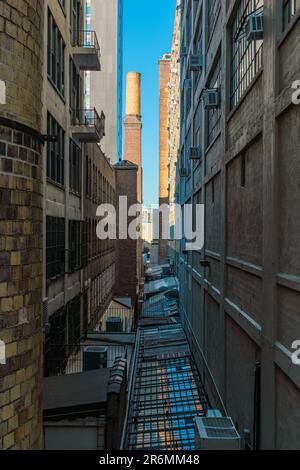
(195, 153)
(212, 98)
(184, 172)
(196, 63)
(94, 357)
(216, 433)
(114, 325)
(255, 28)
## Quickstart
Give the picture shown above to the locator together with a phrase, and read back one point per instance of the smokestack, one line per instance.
(133, 126)
(133, 94)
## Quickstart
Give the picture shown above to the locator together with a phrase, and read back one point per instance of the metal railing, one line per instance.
(89, 118)
(86, 38)
(70, 359)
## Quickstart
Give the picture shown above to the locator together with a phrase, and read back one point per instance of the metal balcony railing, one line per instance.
(89, 118)
(87, 39)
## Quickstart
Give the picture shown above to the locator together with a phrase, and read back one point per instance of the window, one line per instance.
(75, 18)
(246, 56)
(74, 90)
(76, 244)
(74, 323)
(189, 23)
(62, 4)
(197, 126)
(75, 167)
(55, 151)
(187, 94)
(55, 247)
(198, 47)
(213, 11)
(55, 344)
(56, 56)
(290, 8)
(214, 115)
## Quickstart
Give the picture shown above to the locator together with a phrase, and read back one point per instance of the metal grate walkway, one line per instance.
(166, 394)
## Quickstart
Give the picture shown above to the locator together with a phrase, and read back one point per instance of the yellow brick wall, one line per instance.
(21, 32)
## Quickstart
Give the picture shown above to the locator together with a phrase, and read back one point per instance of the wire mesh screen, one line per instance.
(167, 393)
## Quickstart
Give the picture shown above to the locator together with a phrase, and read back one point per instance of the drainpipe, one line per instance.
(256, 420)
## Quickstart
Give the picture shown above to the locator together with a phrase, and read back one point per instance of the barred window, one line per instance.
(55, 151)
(214, 115)
(75, 18)
(55, 247)
(290, 8)
(246, 55)
(56, 344)
(198, 48)
(213, 11)
(75, 245)
(197, 125)
(56, 56)
(74, 323)
(75, 167)
(74, 90)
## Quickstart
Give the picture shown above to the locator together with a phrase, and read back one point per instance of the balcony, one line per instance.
(87, 125)
(86, 50)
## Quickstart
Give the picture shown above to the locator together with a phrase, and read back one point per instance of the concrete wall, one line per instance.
(251, 289)
(104, 84)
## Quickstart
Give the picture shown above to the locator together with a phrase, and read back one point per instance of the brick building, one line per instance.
(133, 150)
(173, 126)
(164, 77)
(21, 225)
(100, 272)
(79, 269)
(239, 155)
(127, 249)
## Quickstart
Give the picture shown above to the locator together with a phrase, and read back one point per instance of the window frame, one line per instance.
(55, 152)
(56, 56)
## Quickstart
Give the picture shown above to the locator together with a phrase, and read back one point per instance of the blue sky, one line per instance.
(148, 28)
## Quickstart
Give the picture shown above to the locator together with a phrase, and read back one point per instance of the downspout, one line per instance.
(257, 402)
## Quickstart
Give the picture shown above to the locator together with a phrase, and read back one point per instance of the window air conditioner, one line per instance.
(195, 153)
(94, 357)
(255, 28)
(212, 98)
(216, 433)
(196, 63)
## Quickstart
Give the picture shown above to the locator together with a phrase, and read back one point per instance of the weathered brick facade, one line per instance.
(241, 310)
(164, 76)
(21, 29)
(127, 274)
